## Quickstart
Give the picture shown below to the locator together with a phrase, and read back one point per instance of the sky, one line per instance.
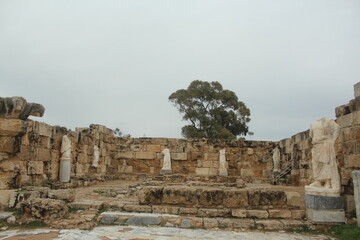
(115, 62)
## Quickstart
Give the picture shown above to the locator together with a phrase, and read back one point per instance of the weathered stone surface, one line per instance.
(265, 198)
(165, 209)
(137, 208)
(352, 161)
(356, 181)
(151, 195)
(17, 107)
(295, 199)
(257, 213)
(240, 213)
(143, 221)
(323, 202)
(12, 127)
(45, 209)
(269, 224)
(181, 196)
(145, 155)
(9, 144)
(179, 156)
(211, 198)
(108, 219)
(298, 214)
(279, 213)
(5, 197)
(35, 168)
(210, 223)
(235, 199)
(67, 195)
(325, 216)
(208, 212)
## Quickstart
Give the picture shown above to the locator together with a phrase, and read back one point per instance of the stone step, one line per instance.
(199, 212)
(172, 220)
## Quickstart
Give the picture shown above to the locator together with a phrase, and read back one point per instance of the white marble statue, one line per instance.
(223, 165)
(166, 168)
(276, 159)
(65, 159)
(324, 133)
(96, 156)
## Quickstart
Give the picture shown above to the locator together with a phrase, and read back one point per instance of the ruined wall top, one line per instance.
(19, 108)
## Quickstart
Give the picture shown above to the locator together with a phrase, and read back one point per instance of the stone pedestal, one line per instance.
(165, 171)
(65, 168)
(223, 172)
(356, 182)
(324, 209)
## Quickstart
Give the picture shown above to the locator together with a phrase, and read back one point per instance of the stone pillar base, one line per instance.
(223, 172)
(165, 171)
(324, 209)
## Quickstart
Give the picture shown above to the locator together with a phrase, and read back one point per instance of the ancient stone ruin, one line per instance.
(47, 170)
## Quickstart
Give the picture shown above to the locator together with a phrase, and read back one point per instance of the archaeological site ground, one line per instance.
(87, 177)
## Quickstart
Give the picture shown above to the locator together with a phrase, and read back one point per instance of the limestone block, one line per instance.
(202, 171)
(210, 223)
(342, 110)
(295, 199)
(269, 224)
(257, 214)
(298, 214)
(35, 168)
(137, 208)
(125, 155)
(213, 171)
(44, 129)
(247, 172)
(79, 169)
(352, 161)
(12, 127)
(188, 211)
(357, 117)
(9, 145)
(153, 148)
(165, 209)
(210, 212)
(240, 213)
(83, 158)
(143, 221)
(346, 120)
(279, 213)
(191, 222)
(43, 154)
(181, 196)
(46, 209)
(179, 156)
(67, 195)
(212, 156)
(5, 197)
(150, 195)
(235, 198)
(4, 156)
(213, 197)
(145, 155)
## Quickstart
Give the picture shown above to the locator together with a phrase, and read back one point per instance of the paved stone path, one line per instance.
(151, 233)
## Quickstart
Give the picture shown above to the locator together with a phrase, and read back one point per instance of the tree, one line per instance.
(211, 111)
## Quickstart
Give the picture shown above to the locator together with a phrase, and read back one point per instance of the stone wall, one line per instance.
(30, 154)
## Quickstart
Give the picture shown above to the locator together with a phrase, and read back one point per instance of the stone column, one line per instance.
(356, 182)
(65, 160)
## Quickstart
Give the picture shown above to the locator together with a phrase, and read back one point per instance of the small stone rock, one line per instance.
(11, 220)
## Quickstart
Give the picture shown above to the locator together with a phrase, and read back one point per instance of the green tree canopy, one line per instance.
(211, 111)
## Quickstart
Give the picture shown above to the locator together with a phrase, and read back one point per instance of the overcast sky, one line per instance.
(115, 62)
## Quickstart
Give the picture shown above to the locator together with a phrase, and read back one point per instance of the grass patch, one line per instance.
(17, 211)
(345, 232)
